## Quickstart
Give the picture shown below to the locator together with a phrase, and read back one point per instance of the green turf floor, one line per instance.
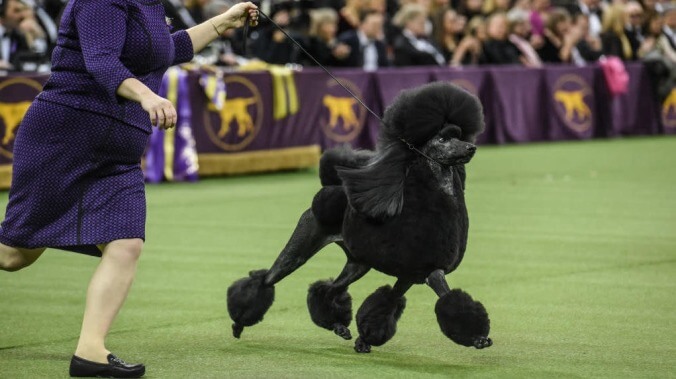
(572, 250)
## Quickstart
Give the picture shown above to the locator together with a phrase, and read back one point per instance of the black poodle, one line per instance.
(400, 210)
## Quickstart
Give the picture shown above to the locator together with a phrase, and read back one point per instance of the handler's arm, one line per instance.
(201, 35)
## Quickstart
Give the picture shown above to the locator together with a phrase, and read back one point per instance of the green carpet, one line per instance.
(572, 250)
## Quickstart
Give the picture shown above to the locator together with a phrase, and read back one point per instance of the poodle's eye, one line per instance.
(441, 139)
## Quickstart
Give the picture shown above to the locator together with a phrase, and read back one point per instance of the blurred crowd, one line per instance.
(377, 33)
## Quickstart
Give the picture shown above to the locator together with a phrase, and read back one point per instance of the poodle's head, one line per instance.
(440, 120)
(424, 113)
(448, 148)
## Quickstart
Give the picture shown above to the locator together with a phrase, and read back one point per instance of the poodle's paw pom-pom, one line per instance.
(378, 315)
(361, 347)
(248, 300)
(463, 320)
(330, 308)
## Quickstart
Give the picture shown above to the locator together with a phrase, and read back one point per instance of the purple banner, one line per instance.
(636, 112)
(16, 95)
(519, 107)
(572, 103)
(668, 113)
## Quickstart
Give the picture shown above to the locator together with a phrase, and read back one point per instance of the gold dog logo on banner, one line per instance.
(669, 110)
(346, 116)
(16, 96)
(236, 125)
(570, 92)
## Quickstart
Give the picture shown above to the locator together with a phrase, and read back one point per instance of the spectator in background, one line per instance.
(448, 29)
(614, 38)
(412, 47)
(470, 8)
(538, 17)
(272, 45)
(18, 34)
(495, 6)
(228, 49)
(176, 11)
(590, 8)
(348, 17)
(196, 9)
(589, 48)
(560, 38)
(321, 42)
(668, 37)
(519, 26)
(633, 25)
(437, 6)
(366, 46)
(469, 51)
(497, 49)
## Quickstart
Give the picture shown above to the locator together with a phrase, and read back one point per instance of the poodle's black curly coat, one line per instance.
(399, 210)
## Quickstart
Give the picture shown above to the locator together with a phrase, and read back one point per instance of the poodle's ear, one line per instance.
(377, 190)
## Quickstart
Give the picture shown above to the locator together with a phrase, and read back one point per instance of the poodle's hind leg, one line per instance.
(378, 315)
(330, 304)
(461, 318)
(250, 298)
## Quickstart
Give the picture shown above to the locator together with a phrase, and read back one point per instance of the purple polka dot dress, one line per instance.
(77, 179)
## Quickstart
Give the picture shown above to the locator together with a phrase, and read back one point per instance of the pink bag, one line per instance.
(616, 75)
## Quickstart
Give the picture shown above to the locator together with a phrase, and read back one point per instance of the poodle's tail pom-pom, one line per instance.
(342, 156)
(330, 308)
(378, 315)
(248, 300)
(463, 320)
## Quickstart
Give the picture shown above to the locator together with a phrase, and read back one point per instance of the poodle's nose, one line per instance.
(471, 148)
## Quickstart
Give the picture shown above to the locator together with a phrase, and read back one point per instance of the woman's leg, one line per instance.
(107, 291)
(14, 259)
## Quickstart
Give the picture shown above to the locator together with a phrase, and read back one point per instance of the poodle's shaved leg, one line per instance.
(305, 242)
(437, 281)
(350, 274)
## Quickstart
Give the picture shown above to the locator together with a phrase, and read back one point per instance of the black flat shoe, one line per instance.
(115, 368)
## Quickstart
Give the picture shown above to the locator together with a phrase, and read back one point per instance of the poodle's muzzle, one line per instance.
(450, 151)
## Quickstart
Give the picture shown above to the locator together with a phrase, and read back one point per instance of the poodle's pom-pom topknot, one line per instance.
(377, 318)
(419, 114)
(248, 300)
(463, 320)
(330, 307)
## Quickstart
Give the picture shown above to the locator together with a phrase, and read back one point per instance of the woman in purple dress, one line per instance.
(77, 183)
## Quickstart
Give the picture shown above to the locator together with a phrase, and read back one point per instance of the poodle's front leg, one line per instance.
(461, 319)
(250, 298)
(330, 304)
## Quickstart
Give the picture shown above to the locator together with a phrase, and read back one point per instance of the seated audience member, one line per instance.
(470, 8)
(667, 39)
(228, 49)
(593, 9)
(46, 25)
(589, 48)
(348, 16)
(469, 51)
(366, 46)
(412, 47)
(496, 6)
(538, 17)
(271, 45)
(519, 26)
(560, 38)
(20, 36)
(448, 29)
(614, 38)
(322, 43)
(634, 24)
(179, 15)
(196, 9)
(497, 48)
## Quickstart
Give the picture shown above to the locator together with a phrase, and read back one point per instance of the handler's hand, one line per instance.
(236, 16)
(161, 111)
